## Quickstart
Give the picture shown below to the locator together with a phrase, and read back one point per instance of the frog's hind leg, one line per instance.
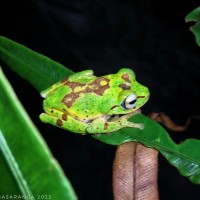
(62, 120)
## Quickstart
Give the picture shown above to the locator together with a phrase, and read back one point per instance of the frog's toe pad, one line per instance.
(137, 125)
(43, 117)
(141, 126)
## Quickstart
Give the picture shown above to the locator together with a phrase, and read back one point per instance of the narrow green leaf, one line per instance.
(27, 156)
(39, 70)
(8, 180)
(24, 188)
(194, 19)
(185, 156)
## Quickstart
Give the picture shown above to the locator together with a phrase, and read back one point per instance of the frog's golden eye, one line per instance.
(129, 102)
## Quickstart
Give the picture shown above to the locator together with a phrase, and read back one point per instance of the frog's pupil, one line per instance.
(132, 102)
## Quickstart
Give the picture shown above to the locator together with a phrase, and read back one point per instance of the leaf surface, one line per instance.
(27, 166)
(36, 68)
(193, 18)
(185, 156)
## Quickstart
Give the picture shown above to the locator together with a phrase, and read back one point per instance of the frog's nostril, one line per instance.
(138, 97)
(144, 94)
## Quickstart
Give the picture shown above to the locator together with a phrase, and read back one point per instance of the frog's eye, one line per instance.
(129, 102)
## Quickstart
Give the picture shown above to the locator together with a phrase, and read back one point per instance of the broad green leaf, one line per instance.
(39, 70)
(26, 165)
(184, 156)
(194, 18)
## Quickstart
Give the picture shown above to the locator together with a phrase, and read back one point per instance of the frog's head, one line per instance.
(132, 96)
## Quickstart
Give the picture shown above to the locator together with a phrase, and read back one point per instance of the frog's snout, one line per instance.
(143, 96)
(147, 93)
(144, 93)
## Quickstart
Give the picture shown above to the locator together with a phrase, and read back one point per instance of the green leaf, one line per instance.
(13, 165)
(39, 70)
(194, 18)
(184, 156)
(27, 166)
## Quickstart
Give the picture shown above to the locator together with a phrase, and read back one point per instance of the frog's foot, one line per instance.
(135, 125)
(101, 125)
(125, 123)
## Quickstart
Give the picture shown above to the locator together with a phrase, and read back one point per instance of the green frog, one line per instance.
(86, 104)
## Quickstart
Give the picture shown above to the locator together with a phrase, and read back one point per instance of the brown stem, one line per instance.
(135, 172)
(168, 123)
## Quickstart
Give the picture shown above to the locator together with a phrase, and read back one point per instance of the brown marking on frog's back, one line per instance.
(73, 85)
(124, 86)
(69, 99)
(95, 86)
(126, 77)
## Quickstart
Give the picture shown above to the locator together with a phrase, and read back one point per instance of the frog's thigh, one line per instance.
(64, 121)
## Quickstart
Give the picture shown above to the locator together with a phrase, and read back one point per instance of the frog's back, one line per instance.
(85, 96)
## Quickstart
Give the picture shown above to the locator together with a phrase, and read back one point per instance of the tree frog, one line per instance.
(84, 103)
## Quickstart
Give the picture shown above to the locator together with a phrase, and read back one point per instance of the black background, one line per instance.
(149, 36)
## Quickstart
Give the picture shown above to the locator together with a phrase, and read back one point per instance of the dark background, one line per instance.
(149, 36)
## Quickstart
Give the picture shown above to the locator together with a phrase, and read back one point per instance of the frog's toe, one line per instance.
(136, 125)
(141, 126)
(43, 117)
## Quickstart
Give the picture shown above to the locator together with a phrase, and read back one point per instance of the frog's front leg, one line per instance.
(101, 125)
(63, 120)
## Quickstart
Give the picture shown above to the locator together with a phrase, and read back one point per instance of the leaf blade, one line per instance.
(185, 156)
(14, 166)
(30, 65)
(153, 136)
(194, 17)
(40, 170)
